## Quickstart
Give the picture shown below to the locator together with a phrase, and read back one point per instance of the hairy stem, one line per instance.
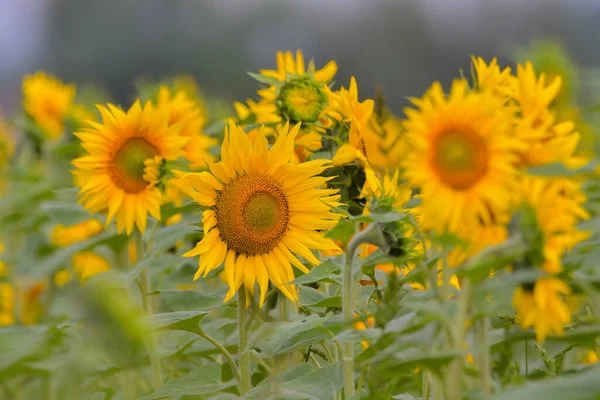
(223, 350)
(244, 356)
(484, 363)
(157, 378)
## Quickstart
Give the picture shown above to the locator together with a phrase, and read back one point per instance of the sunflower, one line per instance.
(462, 157)
(384, 142)
(549, 140)
(557, 203)
(87, 264)
(62, 277)
(3, 269)
(7, 144)
(388, 194)
(542, 307)
(67, 235)
(490, 77)
(183, 110)
(345, 108)
(47, 101)
(296, 93)
(111, 176)
(7, 304)
(260, 210)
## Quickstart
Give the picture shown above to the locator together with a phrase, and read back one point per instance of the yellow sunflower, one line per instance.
(67, 235)
(296, 94)
(48, 101)
(557, 203)
(260, 210)
(111, 176)
(87, 264)
(543, 307)
(7, 304)
(7, 144)
(183, 110)
(490, 77)
(462, 157)
(62, 277)
(388, 192)
(345, 108)
(549, 141)
(384, 142)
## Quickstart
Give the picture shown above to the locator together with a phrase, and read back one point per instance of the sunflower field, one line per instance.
(307, 243)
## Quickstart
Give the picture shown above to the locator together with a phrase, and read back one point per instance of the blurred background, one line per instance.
(401, 45)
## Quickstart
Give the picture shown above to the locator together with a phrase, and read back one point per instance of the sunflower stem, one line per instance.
(157, 378)
(223, 350)
(348, 309)
(484, 359)
(372, 234)
(243, 355)
(283, 309)
(455, 382)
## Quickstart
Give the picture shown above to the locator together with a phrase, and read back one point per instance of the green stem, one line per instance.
(455, 383)
(426, 386)
(283, 308)
(157, 379)
(223, 350)
(348, 309)
(484, 363)
(371, 234)
(244, 356)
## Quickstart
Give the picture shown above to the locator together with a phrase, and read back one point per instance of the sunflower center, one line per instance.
(301, 99)
(128, 164)
(460, 158)
(252, 214)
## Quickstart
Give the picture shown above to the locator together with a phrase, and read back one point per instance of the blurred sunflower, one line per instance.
(557, 203)
(345, 108)
(7, 304)
(48, 101)
(261, 208)
(462, 157)
(112, 175)
(184, 111)
(87, 264)
(62, 235)
(542, 306)
(548, 140)
(7, 145)
(490, 77)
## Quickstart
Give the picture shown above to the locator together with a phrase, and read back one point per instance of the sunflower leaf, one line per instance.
(176, 321)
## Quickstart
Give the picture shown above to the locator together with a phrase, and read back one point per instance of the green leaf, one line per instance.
(264, 79)
(498, 256)
(188, 300)
(64, 213)
(19, 342)
(343, 231)
(274, 338)
(320, 384)
(581, 386)
(58, 259)
(215, 129)
(326, 271)
(167, 236)
(385, 217)
(315, 298)
(176, 321)
(201, 381)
